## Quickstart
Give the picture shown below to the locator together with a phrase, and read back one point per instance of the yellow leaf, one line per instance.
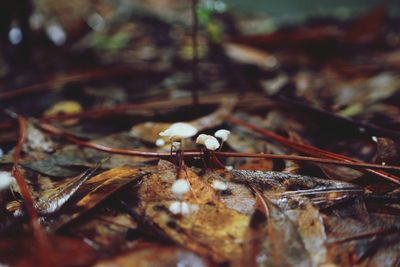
(64, 107)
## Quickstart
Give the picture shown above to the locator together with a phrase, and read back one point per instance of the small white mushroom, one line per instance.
(175, 207)
(211, 143)
(179, 130)
(160, 142)
(202, 138)
(6, 180)
(222, 134)
(180, 187)
(375, 139)
(218, 185)
(183, 208)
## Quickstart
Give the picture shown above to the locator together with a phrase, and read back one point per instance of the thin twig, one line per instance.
(74, 139)
(83, 76)
(314, 151)
(38, 231)
(244, 101)
(388, 231)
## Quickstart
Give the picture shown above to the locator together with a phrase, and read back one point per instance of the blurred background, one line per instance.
(340, 57)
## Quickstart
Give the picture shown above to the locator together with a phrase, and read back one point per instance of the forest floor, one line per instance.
(307, 172)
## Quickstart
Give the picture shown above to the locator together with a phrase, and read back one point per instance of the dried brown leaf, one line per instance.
(211, 229)
(101, 187)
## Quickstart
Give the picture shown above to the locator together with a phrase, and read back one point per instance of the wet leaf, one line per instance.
(100, 187)
(58, 165)
(36, 141)
(65, 107)
(386, 151)
(109, 230)
(211, 229)
(52, 200)
(273, 240)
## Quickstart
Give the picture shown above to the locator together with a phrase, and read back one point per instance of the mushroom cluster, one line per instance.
(176, 134)
(211, 142)
(179, 188)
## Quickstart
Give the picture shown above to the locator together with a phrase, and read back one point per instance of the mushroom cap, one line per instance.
(223, 134)
(175, 207)
(6, 179)
(179, 130)
(218, 185)
(211, 143)
(183, 208)
(160, 142)
(202, 138)
(180, 187)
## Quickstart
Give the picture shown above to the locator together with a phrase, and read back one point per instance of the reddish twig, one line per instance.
(39, 233)
(6, 125)
(381, 232)
(244, 101)
(216, 161)
(72, 138)
(84, 76)
(311, 150)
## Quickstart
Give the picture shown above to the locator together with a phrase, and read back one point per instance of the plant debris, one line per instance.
(173, 133)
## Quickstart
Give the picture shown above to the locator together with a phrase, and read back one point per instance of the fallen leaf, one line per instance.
(65, 107)
(211, 229)
(100, 187)
(273, 240)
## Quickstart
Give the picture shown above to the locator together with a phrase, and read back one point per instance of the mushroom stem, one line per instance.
(216, 161)
(220, 147)
(181, 161)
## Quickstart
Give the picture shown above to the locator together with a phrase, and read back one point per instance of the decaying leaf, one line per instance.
(363, 243)
(36, 141)
(65, 107)
(271, 235)
(52, 199)
(287, 183)
(58, 165)
(97, 189)
(386, 151)
(308, 222)
(109, 230)
(237, 196)
(211, 229)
